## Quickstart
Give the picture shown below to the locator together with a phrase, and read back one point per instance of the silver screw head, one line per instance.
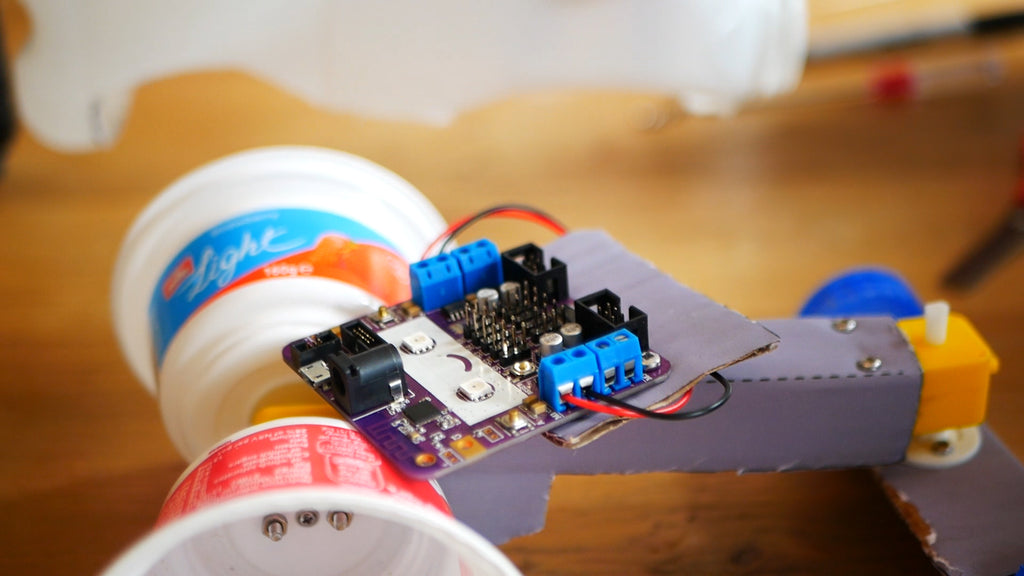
(651, 360)
(275, 526)
(307, 518)
(339, 520)
(869, 364)
(844, 325)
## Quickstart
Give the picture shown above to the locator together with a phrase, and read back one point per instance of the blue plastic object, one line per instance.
(575, 367)
(480, 263)
(436, 282)
(619, 360)
(864, 292)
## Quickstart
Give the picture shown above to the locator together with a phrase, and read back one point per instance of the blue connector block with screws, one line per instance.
(436, 282)
(619, 360)
(480, 263)
(567, 372)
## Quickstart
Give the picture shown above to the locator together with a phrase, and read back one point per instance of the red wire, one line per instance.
(504, 213)
(675, 406)
(514, 213)
(598, 407)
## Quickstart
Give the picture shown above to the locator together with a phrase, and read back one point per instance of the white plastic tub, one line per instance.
(339, 508)
(400, 59)
(246, 254)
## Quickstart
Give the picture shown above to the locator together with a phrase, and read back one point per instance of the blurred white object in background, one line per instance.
(400, 59)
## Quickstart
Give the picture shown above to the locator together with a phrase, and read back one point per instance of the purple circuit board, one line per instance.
(437, 389)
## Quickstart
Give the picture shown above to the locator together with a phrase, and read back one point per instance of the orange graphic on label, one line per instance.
(372, 268)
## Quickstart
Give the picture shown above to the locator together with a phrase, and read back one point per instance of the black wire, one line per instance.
(485, 213)
(689, 415)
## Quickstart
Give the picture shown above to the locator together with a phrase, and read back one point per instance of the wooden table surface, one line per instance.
(754, 210)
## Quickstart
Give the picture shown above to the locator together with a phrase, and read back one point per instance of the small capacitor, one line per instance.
(509, 292)
(487, 299)
(550, 343)
(572, 334)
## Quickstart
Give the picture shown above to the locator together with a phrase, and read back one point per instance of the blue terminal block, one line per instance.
(480, 263)
(619, 359)
(436, 282)
(567, 372)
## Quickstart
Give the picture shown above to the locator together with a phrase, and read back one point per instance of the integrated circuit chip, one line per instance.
(422, 413)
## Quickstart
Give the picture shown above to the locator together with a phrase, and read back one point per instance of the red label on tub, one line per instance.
(293, 456)
(174, 280)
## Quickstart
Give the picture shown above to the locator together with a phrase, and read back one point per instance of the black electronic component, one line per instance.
(366, 371)
(506, 330)
(454, 311)
(422, 413)
(368, 380)
(315, 347)
(525, 265)
(357, 337)
(600, 313)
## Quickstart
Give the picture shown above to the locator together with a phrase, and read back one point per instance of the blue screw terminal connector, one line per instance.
(569, 371)
(619, 359)
(436, 282)
(480, 263)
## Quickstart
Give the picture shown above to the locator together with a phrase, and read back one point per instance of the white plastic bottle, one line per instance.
(240, 257)
(401, 59)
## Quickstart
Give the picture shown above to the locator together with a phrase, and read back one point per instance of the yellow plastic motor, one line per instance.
(957, 365)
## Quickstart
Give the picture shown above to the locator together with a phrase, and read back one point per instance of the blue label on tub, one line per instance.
(271, 244)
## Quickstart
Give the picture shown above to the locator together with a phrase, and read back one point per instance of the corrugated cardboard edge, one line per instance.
(968, 517)
(912, 516)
